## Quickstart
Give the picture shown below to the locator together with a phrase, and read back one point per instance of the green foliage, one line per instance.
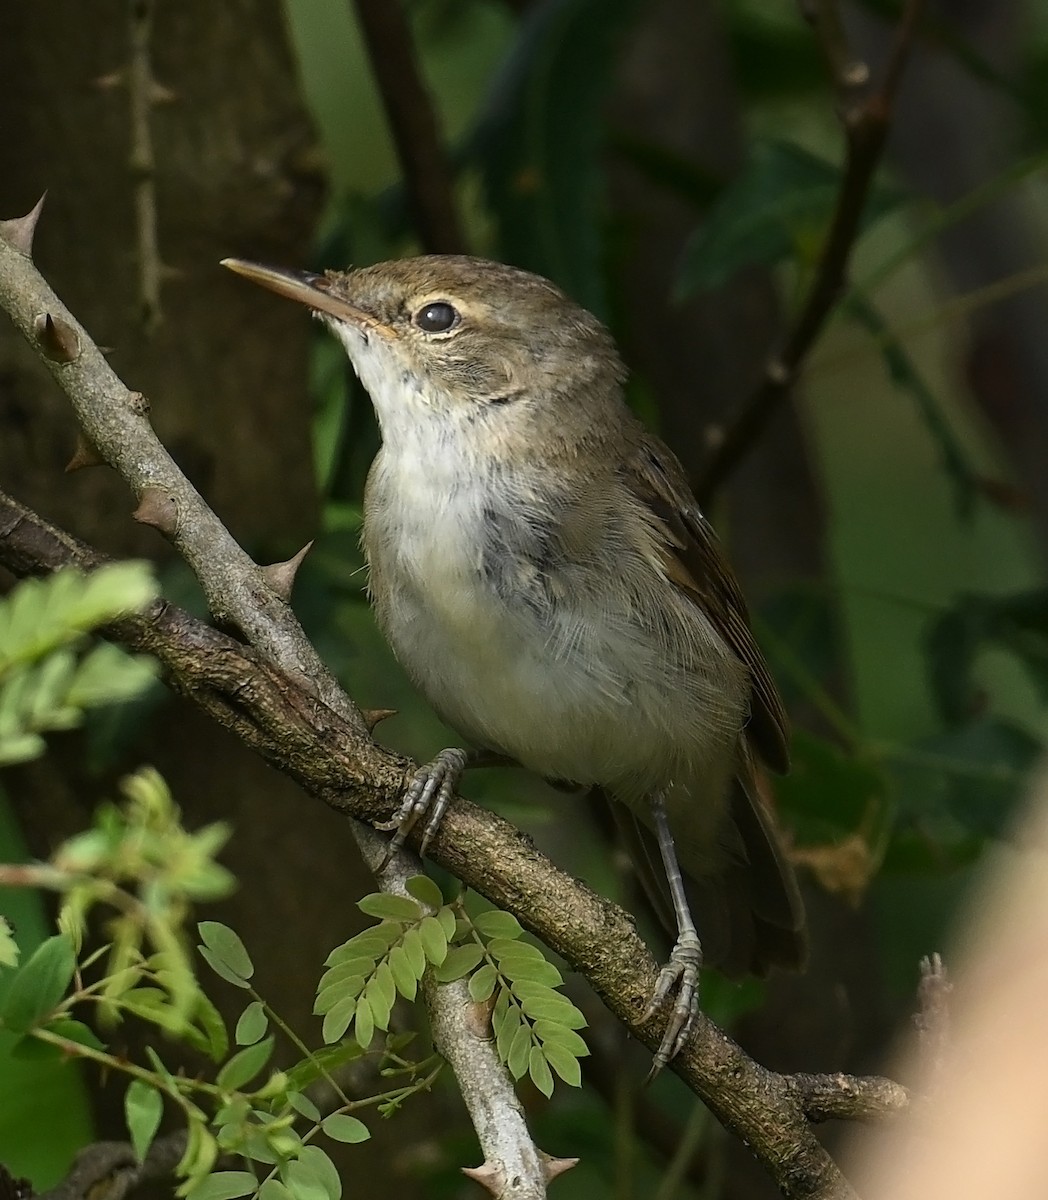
(48, 677)
(778, 208)
(535, 1025)
(540, 139)
(141, 864)
(1017, 624)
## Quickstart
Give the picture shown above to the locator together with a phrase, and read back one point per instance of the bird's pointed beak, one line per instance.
(317, 292)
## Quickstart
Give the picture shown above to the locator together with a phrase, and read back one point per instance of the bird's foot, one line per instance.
(678, 979)
(428, 795)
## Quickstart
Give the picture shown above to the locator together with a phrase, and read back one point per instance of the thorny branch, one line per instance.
(115, 429)
(279, 699)
(866, 115)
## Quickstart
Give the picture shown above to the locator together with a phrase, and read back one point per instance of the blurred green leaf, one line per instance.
(224, 1185)
(143, 1108)
(828, 792)
(324, 1061)
(960, 471)
(779, 206)
(539, 145)
(986, 766)
(245, 1065)
(1018, 624)
(39, 985)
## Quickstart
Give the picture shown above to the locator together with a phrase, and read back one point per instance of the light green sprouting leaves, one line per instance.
(47, 681)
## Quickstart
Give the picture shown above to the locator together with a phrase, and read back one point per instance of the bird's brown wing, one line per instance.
(694, 561)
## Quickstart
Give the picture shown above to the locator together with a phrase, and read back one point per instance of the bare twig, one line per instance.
(278, 698)
(141, 91)
(866, 117)
(414, 125)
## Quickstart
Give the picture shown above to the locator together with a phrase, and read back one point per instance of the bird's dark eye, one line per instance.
(437, 317)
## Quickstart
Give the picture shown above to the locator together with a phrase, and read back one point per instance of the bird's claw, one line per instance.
(679, 978)
(428, 795)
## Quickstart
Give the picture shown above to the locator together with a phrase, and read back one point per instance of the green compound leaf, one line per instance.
(497, 924)
(403, 973)
(225, 953)
(519, 1050)
(425, 891)
(252, 1025)
(447, 921)
(345, 1128)
(273, 1189)
(39, 985)
(371, 944)
(386, 906)
(459, 962)
(364, 1024)
(379, 996)
(315, 1170)
(539, 1071)
(434, 940)
(330, 995)
(550, 1033)
(224, 1185)
(563, 1062)
(506, 1027)
(482, 983)
(245, 1065)
(338, 1018)
(415, 952)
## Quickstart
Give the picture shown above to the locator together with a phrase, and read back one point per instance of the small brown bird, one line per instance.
(544, 574)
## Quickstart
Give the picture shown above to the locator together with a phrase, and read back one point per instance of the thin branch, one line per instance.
(414, 125)
(866, 118)
(469, 1046)
(141, 91)
(295, 716)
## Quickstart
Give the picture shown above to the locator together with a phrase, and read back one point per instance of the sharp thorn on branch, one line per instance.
(281, 576)
(59, 341)
(157, 507)
(84, 455)
(19, 231)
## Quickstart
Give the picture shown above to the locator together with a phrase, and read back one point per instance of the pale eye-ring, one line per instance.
(438, 317)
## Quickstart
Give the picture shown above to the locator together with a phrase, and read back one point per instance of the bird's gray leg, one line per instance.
(680, 976)
(429, 793)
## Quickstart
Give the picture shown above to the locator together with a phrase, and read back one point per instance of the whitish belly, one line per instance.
(579, 692)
